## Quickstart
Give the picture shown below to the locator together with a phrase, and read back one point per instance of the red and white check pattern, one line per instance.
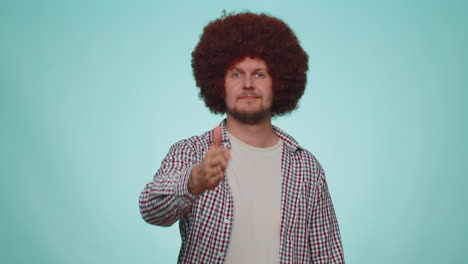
(309, 229)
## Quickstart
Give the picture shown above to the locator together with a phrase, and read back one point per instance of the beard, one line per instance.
(250, 118)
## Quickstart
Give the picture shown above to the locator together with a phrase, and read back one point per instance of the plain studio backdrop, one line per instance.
(94, 93)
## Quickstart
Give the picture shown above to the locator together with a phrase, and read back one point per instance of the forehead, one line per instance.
(249, 64)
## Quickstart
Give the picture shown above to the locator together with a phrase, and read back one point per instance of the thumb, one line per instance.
(217, 136)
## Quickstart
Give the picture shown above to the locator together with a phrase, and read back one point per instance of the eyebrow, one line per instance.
(255, 70)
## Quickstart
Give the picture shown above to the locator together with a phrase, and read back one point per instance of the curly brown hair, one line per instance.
(227, 40)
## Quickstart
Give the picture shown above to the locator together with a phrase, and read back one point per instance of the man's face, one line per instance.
(249, 93)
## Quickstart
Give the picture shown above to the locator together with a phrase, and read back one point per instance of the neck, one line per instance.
(260, 135)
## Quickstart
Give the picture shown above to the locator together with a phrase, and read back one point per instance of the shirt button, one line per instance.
(220, 254)
(227, 221)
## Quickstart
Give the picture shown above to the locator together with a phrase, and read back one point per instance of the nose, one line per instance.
(248, 84)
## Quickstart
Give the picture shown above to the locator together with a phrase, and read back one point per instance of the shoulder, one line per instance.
(194, 144)
(308, 161)
(311, 161)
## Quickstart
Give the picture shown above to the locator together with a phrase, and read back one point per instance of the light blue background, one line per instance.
(93, 94)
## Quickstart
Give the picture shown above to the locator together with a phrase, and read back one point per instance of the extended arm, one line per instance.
(183, 175)
(165, 199)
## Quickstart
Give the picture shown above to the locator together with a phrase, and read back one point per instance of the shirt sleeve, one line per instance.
(165, 199)
(325, 240)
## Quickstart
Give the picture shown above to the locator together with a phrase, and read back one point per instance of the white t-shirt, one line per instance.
(254, 176)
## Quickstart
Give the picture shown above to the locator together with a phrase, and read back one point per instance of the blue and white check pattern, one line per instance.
(309, 229)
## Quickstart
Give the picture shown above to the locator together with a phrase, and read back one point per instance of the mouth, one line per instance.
(249, 96)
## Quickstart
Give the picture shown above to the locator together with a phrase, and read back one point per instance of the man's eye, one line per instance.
(236, 75)
(260, 75)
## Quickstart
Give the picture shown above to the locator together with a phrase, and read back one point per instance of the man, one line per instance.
(246, 192)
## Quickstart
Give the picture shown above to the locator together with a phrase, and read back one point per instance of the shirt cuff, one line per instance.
(182, 187)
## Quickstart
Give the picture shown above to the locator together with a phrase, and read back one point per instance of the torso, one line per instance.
(254, 177)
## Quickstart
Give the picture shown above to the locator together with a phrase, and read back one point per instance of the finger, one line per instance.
(220, 160)
(218, 171)
(214, 181)
(213, 170)
(217, 136)
(220, 176)
(214, 161)
(227, 154)
(212, 153)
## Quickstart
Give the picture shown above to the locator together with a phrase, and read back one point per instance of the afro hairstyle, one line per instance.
(229, 39)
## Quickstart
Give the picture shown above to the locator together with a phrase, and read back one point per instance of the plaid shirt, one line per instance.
(309, 229)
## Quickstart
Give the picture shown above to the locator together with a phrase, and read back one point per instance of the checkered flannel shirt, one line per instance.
(309, 229)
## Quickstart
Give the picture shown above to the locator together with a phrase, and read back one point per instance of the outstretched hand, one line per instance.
(208, 174)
